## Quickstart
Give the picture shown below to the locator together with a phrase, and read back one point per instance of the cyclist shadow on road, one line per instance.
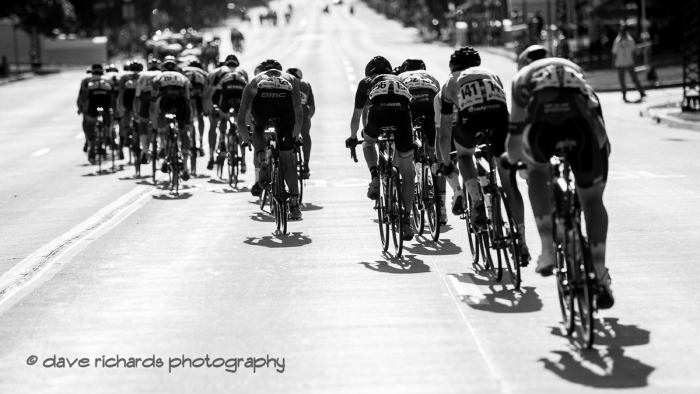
(408, 264)
(427, 246)
(606, 365)
(263, 217)
(307, 207)
(291, 240)
(172, 196)
(105, 171)
(501, 297)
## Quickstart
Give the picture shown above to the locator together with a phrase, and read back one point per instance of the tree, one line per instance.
(39, 16)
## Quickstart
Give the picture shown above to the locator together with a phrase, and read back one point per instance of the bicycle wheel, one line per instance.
(263, 197)
(417, 208)
(473, 236)
(154, 158)
(431, 199)
(98, 148)
(584, 291)
(381, 207)
(508, 239)
(397, 212)
(274, 201)
(174, 168)
(300, 169)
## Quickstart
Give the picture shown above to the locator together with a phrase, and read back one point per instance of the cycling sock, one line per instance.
(373, 171)
(472, 186)
(521, 231)
(544, 227)
(598, 258)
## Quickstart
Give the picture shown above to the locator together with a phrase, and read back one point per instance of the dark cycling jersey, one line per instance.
(307, 98)
(273, 91)
(232, 85)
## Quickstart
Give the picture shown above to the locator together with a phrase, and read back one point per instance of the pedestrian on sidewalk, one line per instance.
(623, 50)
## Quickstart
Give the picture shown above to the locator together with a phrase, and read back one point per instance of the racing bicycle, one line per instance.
(426, 200)
(275, 193)
(173, 156)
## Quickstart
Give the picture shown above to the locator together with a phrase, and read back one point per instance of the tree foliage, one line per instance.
(43, 15)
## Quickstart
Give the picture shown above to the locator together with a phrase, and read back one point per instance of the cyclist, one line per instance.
(146, 109)
(237, 40)
(212, 95)
(387, 101)
(273, 94)
(197, 76)
(553, 105)
(453, 181)
(308, 104)
(96, 91)
(423, 87)
(171, 91)
(125, 101)
(232, 85)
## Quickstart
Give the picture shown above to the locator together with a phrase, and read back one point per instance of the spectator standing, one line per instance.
(623, 51)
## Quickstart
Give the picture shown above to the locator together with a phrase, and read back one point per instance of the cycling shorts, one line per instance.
(181, 107)
(98, 99)
(216, 97)
(230, 99)
(265, 108)
(427, 110)
(399, 118)
(589, 161)
(198, 105)
(491, 115)
(128, 99)
(145, 105)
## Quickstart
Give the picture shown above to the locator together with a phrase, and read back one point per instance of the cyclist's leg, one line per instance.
(89, 130)
(285, 138)
(370, 134)
(403, 139)
(212, 136)
(143, 133)
(306, 135)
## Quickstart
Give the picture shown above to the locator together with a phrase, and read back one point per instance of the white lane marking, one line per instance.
(647, 174)
(315, 183)
(32, 267)
(351, 182)
(40, 152)
(467, 290)
(80, 136)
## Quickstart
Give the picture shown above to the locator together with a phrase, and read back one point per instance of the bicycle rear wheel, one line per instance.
(174, 168)
(154, 158)
(475, 244)
(418, 207)
(431, 198)
(508, 239)
(382, 217)
(300, 170)
(396, 212)
(584, 291)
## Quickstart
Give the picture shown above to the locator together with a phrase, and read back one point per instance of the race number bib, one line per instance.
(420, 82)
(389, 87)
(268, 82)
(494, 91)
(172, 80)
(470, 95)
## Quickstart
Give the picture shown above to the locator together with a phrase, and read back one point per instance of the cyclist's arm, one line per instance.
(244, 111)
(190, 99)
(516, 125)
(298, 111)
(359, 113)
(81, 98)
(137, 97)
(311, 103)
(444, 131)
(437, 119)
(208, 94)
(120, 97)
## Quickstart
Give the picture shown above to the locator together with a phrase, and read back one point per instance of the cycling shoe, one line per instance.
(373, 190)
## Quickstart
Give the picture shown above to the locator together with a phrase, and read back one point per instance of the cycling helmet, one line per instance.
(532, 53)
(396, 70)
(232, 61)
(270, 64)
(89, 70)
(153, 64)
(97, 69)
(136, 66)
(413, 64)
(169, 64)
(195, 63)
(112, 68)
(378, 65)
(464, 58)
(296, 72)
(127, 65)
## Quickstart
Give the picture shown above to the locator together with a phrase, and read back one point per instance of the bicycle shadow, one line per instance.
(408, 264)
(308, 207)
(106, 171)
(278, 240)
(500, 298)
(134, 178)
(172, 196)
(262, 217)
(606, 365)
(427, 246)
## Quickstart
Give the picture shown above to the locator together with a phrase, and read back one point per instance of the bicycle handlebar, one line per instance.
(353, 152)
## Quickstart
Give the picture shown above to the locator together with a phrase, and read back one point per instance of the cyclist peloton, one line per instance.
(424, 87)
(96, 91)
(198, 77)
(553, 105)
(232, 85)
(273, 94)
(308, 104)
(125, 102)
(387, 102)
(481, 104)
(146, 109)
(212, 95)
(171, 90)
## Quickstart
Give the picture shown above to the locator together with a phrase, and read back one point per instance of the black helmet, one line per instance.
(195, 63)
(270, 64)
(136, 66)
(296, 72)
(127, 65)
(169, 64)
(396, 70)
(413, 64)
(532, 53)
(464, 58)
(232, 61)
(89, 70)
(153, 64)
(97, 69)
(378, 65)
(112, 68)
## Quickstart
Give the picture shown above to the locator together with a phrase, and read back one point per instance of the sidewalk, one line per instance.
(672, 116)
(17, 77)
(607, 80)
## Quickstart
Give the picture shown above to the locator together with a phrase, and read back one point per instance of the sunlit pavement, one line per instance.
(105, 265)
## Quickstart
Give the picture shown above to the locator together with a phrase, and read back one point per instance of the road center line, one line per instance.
(32, 267)
(40, 152)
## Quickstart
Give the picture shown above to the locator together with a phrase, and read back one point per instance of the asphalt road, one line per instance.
(99, 266)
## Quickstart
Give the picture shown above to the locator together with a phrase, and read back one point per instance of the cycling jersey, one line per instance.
(144, 90)
(127, 90)
(213, 84)
(198, 79)
(423, 88)
(172, 89)
(552, 107)
(272, 91)
(389, 101)
(307, 98)
(232, 85)
(477, 93)
(96, 91)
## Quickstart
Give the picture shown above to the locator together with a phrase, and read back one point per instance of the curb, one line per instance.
(660, 114)
(15, 78)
